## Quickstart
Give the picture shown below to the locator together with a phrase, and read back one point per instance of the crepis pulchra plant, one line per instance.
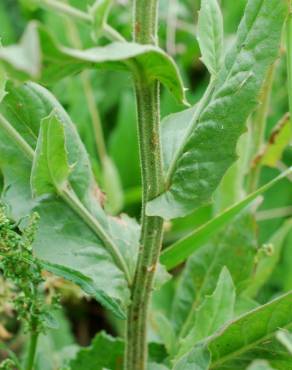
(185, 159)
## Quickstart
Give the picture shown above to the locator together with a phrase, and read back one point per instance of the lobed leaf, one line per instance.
(208, 148)
(59, 244)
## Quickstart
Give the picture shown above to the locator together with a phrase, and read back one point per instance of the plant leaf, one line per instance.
(50, 170)
(185, 247)
(49, 62)
(249, 330)
(210, 35)
(200, 275)
(58, 243)
(213, 313)
(209, 150)
(104, 352)
(197, 359)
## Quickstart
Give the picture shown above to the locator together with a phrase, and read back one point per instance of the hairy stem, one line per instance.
(147, 96)
(29, 363)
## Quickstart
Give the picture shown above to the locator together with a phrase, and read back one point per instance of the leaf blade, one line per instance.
(50, 62)
(210, 35)
(211, 148)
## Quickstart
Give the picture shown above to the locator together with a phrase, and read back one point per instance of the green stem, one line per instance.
(147, 96)
(289, 56)
(29, 363)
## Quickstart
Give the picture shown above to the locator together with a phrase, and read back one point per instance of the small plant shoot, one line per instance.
(145, 185)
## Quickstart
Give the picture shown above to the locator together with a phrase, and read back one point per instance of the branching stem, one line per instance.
(148, 110)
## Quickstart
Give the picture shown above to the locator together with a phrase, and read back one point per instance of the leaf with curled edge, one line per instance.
(208, 147)
(38, 57)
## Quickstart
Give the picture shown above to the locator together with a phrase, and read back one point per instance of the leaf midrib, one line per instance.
(172, 166)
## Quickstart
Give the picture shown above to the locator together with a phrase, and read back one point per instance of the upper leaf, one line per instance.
(210, 35)
(48, 62)
(208, 147)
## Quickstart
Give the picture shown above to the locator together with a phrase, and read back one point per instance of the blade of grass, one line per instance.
(183, 248)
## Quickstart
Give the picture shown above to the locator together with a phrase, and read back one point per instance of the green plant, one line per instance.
(186, 159)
